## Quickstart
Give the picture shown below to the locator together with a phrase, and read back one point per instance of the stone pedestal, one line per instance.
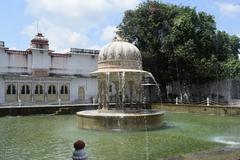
(115, 120)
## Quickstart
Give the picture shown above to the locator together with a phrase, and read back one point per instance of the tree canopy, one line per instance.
(179, 43)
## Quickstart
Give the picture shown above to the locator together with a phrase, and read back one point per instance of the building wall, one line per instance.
(17, 60)
(3, 61)
(202, 109)
(30, 96)
(220, 92)
(73, 85)
(90, 89)
(40, 59)
(66, 63)
(73, 64)
(59, 62)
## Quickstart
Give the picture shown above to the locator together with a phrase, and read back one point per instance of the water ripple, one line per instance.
(229, 140)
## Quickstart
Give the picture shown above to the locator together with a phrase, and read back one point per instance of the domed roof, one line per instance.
(119, 50)
(120, 54)
(39, 39)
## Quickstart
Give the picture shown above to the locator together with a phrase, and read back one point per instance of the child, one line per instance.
(79, 153)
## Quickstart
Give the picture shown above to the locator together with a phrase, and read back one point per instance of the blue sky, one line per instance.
(89, 23)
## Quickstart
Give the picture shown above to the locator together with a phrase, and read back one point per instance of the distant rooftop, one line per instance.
(88, 51)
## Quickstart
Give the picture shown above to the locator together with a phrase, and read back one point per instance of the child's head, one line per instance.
(79, 145)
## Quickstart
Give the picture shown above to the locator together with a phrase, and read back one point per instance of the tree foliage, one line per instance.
(179, 43)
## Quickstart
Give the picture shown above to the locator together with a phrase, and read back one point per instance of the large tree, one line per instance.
(178, 43)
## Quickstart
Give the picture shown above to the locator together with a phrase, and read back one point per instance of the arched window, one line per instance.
(51, 89)
(11, 89)
(14, 89)
(38, 89)
(64, 89)
(81, 93)
(41, 89)
(25, 89)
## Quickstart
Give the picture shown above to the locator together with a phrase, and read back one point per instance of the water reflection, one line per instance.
(51, 137)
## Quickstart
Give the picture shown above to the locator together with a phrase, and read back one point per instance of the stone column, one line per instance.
(105, 95)
(107, 82)
(18, 91)
(123, 90)
(116, 84)
(58, 93)
(131, 93)
(99, 94)
(45, 91)
(32, 91)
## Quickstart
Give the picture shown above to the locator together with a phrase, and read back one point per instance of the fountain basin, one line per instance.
(118, 120)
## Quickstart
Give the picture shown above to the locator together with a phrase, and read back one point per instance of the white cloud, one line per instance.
(77, 8)
(60, 37)
(13, 48)
(108, 33)
(95, 47)
(76, 23)
(228, 8)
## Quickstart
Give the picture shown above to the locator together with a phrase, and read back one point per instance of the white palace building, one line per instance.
(41, 76)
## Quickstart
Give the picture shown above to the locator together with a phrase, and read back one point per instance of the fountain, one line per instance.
(122, 104)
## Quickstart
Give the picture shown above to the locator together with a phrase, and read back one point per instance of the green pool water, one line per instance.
(51, 137)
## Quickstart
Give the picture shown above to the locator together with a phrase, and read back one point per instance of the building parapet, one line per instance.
(54, 54)
(18, 52)
(88, 51)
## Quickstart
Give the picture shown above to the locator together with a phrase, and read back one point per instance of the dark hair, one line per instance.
(79, 145)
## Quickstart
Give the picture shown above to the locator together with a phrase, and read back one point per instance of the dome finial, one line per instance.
(118, 37)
